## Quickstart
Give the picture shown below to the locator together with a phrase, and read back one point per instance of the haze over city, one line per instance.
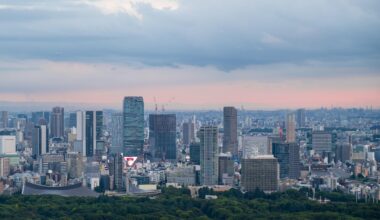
(191, 54)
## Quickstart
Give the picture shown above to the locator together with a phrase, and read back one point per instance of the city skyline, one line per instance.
(198, 55)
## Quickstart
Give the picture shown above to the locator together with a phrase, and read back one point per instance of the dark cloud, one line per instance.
(228, 35)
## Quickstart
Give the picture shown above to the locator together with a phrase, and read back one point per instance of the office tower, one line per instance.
(40, 140)
(3, 119)
(4, 167)
(162, 136)
(291, 127)
(80, 125)
(116, 133)
(72, 119)
(116, 171)
(208, 136)
(40, 118)
(274, 139)
(343, 152)
(195, 153)
(7, 144)
(57, 126)
(188, 133)
(288, 156)
(230, 140)
(255, 146)
(226, 169)
(89, 131)
(133, 126)
(301, 118)
(321, 141)
(261, 172)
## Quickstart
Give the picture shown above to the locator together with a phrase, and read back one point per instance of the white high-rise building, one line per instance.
(7, 144)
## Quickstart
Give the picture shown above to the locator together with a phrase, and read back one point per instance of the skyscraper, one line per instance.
(38, 117)
(230, 140)
(195, 153)
(3, 119)
(73, 119)
(225, 169)
(208, 136)
(57, 122)
(89, 130)
(288, 156)
(40, 140)
(133, 125)
(343, 152)
(162, 136)
(4, 167)
(117, 133)
(291, 127)
(321, 141)
(116, 171)
(301, 118)
(188, 133)
(261, 172)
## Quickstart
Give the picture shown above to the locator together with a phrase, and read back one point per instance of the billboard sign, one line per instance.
(129, 161)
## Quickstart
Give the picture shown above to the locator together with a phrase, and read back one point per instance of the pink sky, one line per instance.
(188, 87)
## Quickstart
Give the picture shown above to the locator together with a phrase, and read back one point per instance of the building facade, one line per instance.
(301, 118)
(209, 151)
(3, 119)
(133, 125)
(89, 131)
(40, 140)
(343, 152)
(321, 141)
(288, 156)
(116, 133)
(188, 133)
(7, 144)
(255, 146)
(291, 127)
(230, 140)
(57, 125)
(162, 136)
(195, 153)
(261, 172)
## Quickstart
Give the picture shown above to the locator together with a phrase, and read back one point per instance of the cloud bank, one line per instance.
(262, 49)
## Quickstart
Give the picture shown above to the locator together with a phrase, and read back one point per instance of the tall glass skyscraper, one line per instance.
(117, 133)
(230, 140)
(57, 122)
(133, 125)
(162, 136)
(288, 156)
(89, 131)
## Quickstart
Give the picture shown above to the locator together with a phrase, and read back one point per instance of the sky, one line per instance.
(192, 54)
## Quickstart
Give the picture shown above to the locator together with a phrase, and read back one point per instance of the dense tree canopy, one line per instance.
(177, 204)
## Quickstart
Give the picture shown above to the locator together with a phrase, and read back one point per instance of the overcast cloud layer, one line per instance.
(143, 46)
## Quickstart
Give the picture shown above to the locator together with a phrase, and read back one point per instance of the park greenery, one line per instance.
(178, 204)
